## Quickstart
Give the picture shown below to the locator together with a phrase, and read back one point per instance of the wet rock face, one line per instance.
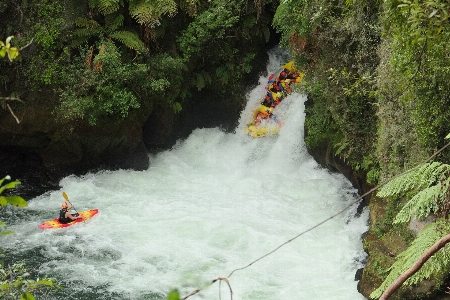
(39, 154)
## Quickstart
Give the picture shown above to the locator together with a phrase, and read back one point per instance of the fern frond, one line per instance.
(129, 39)
(86, 23)
(421, 205)
(431, 172)
(420, 178)
(437, 265)
(148, 13)
(105, 7)
(144, 13)
(113, 22)
(85, 33)
(399, 185)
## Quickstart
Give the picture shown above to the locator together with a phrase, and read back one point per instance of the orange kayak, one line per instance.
(87, 214)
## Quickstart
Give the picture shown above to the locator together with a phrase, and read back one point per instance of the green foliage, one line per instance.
(414, 77)
(15, 283)
(426, 19)
(335, 42)
(14, 279)
(12, 200)
(108, 88)
(318, 124)
(150, 13)
(431, 183)
(173, 295)
(48, 26)
(212, 24)
(7, 50)
(129, 39)
(94, 93)
(293, 12)
(91, 28)
(437, 266)
(430, 189)
(373, 176)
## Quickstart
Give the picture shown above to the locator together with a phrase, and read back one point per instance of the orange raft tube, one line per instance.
(277, 89)
(87, 214)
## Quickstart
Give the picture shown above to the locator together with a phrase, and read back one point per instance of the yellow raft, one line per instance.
(259, 131)
(254, 129)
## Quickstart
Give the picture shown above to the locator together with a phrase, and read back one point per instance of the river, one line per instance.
(213, 203)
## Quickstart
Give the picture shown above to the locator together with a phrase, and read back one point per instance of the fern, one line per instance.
(146, 12)
(84, 33)
(420, 178)
(129, 39)
(437, 265)
(86, 23)
(421, 205)
(105, 7)
(113, 22)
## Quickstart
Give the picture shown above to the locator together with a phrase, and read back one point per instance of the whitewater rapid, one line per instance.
(213, 203)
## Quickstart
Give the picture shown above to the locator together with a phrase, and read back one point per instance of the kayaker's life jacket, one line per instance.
(62, 217)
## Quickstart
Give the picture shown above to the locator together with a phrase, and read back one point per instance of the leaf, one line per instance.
(27, 296)
(10, 185)
(3, 201)
(433, 13)
(200, 82)
(13, 52)
(173, 295)
(129, 39)
(45, 282)
(17, 201)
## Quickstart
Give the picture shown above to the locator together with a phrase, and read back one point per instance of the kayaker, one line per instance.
(65, 216)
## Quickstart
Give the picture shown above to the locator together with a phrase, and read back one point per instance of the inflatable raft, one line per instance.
(279, 85)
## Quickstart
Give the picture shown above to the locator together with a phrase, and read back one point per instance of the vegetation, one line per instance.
(103, 59)
(15, 281)
(335, 43)
(431, 184)
(377, 79)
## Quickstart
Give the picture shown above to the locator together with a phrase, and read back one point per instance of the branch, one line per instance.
(11, 99)
(26, 45)
(12, 113)
(414, 268)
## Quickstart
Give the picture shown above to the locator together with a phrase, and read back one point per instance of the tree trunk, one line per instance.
(414, 268)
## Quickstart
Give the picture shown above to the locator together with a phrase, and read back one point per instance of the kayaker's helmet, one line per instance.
(283, 74)
(64, 205)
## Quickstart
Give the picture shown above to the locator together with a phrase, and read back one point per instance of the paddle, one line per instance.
(67, 199)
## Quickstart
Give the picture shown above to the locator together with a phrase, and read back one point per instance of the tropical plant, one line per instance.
(145, 13)
(13, 200)
(103, 90)
(6, 49)
(335, 44)
(15, 281)
(430, 185)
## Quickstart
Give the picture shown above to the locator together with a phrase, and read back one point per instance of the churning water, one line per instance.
(214, 203)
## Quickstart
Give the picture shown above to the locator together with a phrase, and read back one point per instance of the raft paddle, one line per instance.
(67, 199)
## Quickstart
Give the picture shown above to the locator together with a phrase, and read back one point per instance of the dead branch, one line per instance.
(11, 99)
(26, 45)
(9, 107)
(415, 267)
(12, 113)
